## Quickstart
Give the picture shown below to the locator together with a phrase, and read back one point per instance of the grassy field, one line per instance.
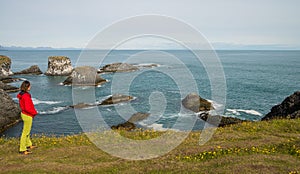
(258, 147)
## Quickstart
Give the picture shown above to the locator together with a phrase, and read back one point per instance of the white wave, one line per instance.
(155, 126)
(54, 110)
(23, 79)
(216, 105)
(251, 111)
(233, 111)
(37, 101)
(143, 65)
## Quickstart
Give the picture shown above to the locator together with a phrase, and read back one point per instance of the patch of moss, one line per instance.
(4, 59)
(58, 57)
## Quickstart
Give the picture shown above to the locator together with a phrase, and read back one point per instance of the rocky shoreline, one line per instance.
(89, 76)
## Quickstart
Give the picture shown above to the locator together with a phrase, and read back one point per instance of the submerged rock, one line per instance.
(116, 98)
(289, 108)
(82, 105)
(118, 67)
(34, 69)
(59, 66)
(8, 88)
(125, 126)
(223, 121)
(138, 117)
(151, 65)
(9, 79)
(129, 125)
(9, 111)
(5, 64)
(195, 103)
(84, 76)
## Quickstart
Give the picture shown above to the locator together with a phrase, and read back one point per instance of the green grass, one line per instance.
(258, 147)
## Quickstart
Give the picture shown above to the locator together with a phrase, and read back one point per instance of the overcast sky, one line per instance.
(225, 23)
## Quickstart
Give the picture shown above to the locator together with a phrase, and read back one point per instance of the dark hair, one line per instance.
(25, 85)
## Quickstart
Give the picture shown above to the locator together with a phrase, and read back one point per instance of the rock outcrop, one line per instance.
(5, 64)
(59, 66)
(289, 108)
(124, 126)
(129, 125)
(82, 105)
(224, 121)
(116, 98)
(9, 111)
(118, 67)
(150, 65)
(138, 117)
(195, 103)
(34, 70)
(9, 79)
(84, 76)
(8, 88)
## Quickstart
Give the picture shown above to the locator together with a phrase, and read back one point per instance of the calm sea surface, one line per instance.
(255, 81)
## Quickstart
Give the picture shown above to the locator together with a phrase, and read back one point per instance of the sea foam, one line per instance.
(37, 101)
(54, 110)
(237, 111)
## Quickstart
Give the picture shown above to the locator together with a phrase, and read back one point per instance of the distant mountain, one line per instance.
(34, 48)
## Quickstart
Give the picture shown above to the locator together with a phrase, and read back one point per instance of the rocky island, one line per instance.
(59, 66)
(117, 67)
(84, 76)
(33, 70)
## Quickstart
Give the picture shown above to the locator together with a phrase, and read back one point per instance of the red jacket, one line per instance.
(26, 104)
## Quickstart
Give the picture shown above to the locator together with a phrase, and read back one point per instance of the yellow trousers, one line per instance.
(25, 137)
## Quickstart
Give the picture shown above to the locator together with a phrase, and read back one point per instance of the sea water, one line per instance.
(255, 81)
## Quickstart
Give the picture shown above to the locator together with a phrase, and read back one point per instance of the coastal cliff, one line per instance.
(289, 108)
(9, 111)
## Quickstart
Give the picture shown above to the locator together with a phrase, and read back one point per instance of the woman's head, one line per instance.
(25, 87)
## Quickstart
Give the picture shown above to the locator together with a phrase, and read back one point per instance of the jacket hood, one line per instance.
(19, 96)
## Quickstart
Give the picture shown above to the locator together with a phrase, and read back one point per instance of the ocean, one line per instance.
(255, 81)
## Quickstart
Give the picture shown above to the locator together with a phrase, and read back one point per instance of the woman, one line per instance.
(27, 114)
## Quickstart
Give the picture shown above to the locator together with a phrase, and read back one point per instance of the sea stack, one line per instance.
(5, 64)
(84, 76)
(59, 66)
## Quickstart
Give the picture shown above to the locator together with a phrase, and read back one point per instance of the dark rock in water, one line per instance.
(138, 117)
(59, 66)
(82, 105)
(84, 76)
(9, 79)
(8, 88)
(146, 65)
(289, 108)
(129, 125)
(223, 121)
(9, 111)
(116, 98)
(118, 67)
(195, 103)
(5, 64)
(34, 69)
(125, 126)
